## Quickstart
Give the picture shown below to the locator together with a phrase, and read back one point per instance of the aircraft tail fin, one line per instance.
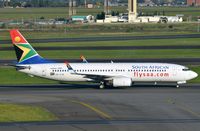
(24, 51)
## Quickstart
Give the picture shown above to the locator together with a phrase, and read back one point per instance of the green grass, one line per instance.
(22, 113)
(11, 76)
(47, 12)
(114, 54)
(89, 33)
(32, 13)
(155, 42)
(186, 11)
(111, 54)
(161, 42)
(105, 30)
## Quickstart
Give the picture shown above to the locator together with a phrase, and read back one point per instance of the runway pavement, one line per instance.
(110, 48)
(112, 38)
(184, 61)
(84, 107)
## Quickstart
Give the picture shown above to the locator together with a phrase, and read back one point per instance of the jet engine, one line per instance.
(122, 82)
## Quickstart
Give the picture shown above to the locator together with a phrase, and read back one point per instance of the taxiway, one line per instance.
(84, 107)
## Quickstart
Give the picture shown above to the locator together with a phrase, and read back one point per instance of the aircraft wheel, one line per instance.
(101, 86)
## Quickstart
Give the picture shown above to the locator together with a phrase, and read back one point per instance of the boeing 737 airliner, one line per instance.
(115, 74)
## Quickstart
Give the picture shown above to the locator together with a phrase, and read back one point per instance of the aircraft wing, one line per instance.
(98, 77)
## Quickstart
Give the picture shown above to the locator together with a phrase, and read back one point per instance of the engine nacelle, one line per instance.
(122, 82)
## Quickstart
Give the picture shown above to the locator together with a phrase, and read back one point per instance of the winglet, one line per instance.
(83, 59)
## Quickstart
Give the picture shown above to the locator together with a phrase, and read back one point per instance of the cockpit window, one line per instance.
(185, 69)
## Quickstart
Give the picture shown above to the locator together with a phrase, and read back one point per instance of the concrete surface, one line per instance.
(84, 107)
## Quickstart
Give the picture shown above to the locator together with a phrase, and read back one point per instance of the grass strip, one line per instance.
(24, 113)
(156, 42)
(9, 76)
(111, 54)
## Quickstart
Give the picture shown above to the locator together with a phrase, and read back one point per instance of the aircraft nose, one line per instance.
(194, 74)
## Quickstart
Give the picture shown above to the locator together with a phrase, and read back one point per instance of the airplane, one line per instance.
(106, 74)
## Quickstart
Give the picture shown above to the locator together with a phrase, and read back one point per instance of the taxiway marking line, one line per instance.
(183, 107)
(189, 110)
(101, 113)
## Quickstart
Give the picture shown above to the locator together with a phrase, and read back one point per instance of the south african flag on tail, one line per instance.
(24, 51)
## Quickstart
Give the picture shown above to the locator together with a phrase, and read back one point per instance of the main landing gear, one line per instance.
(102, 85)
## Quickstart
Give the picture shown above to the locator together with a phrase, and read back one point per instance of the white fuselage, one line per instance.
(145, 72)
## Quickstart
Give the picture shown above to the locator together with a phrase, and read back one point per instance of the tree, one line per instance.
(103, 15)
(163, 13)
(155, 13)
(100, 16)
(113, 13)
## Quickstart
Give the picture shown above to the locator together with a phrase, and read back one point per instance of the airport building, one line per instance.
(131, 16)
(134, 18)
(193, 2)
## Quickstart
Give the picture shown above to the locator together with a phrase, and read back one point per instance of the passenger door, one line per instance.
(44, 71)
